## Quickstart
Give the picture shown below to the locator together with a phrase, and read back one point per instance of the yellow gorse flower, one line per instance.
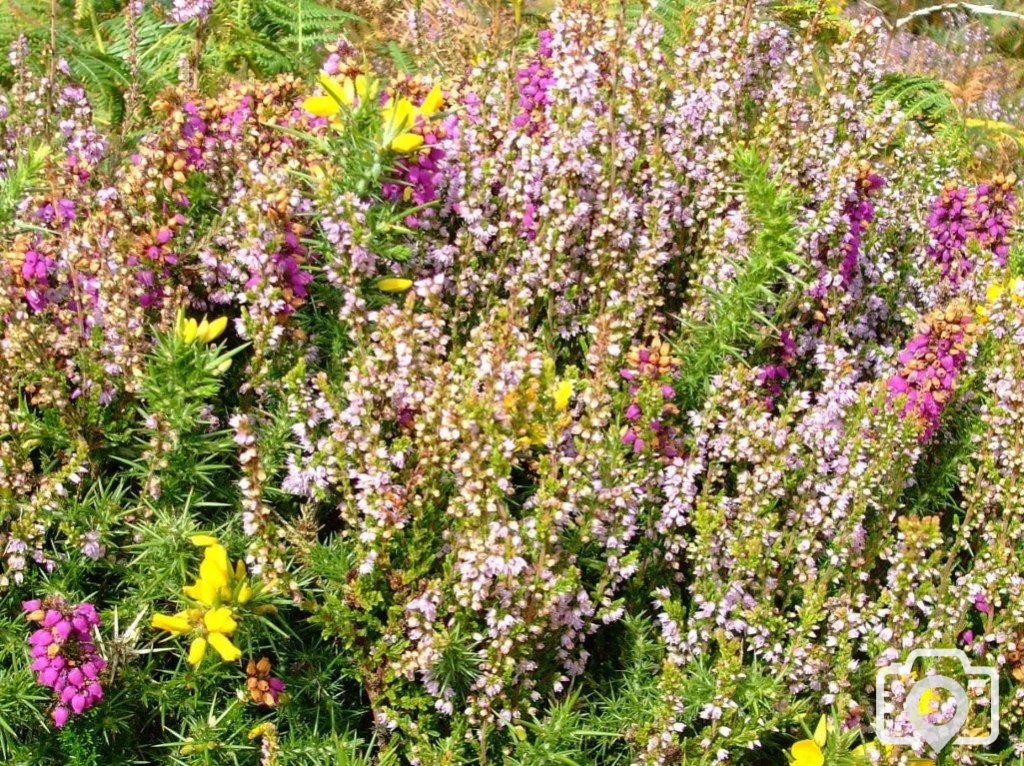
(217, 590)
(995, 291)
(810, 752)
(563, 393)
(871, 751)
(191, 331)
(394, 284)
(261, 730)
(537, 408)
(929, 702)
(349, 92)
(432, 103)
(399, 121)
(401, 117)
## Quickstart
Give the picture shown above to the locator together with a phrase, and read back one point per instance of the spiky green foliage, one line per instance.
(22, 179)
(738, 314)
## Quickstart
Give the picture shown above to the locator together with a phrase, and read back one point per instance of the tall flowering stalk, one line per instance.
(961, 214)
(930, 364)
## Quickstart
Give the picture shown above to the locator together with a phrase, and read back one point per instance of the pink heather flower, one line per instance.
(860, 212)
(981, 604)
(929, 365)
(961, 214)
(183, 11)
(65, 659)
(534, 80)
(648, 366)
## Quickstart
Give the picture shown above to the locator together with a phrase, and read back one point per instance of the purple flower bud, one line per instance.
(41, 638)
(62, 630)
(60, 716)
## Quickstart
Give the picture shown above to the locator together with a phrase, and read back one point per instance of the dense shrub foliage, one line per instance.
(628, 395)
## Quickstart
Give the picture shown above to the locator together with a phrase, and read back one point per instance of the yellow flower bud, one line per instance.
(216, 329)
(432, 102)
(406, 143)
(188, 331)
(394, 284)
(563, 393)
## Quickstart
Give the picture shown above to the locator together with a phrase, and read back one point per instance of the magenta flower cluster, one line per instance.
(860, 212)
(950, 226)
(36, 272)
(420, 177)
(929, 365)
(535, 80)
(651, 367)
(772, 376)
(284, 268)
(961, 214)
(65, 659)
(995, 207)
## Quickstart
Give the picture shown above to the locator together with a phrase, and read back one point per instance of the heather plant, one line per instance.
(630, 391)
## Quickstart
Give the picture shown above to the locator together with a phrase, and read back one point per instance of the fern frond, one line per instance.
(920, 97)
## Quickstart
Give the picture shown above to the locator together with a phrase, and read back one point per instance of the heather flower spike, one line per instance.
(263, 688)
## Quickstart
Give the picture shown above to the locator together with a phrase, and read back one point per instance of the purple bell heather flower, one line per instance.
(60, 716)
(929, 365)
(65, 658)
(961, 214)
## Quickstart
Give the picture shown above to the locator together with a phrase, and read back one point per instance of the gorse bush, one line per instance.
(630, 396)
